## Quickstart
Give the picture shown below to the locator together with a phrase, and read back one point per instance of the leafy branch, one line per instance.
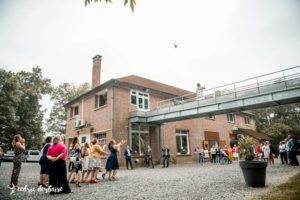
(132, 3)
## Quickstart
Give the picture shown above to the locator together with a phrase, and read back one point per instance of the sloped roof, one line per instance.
(255, 134)
(137, 80)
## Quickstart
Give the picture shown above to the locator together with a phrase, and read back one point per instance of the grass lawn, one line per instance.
(289, 190)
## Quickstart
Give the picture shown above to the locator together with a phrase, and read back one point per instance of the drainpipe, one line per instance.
(160, 147)
(112, 112)
(82, 107)
(164, 134)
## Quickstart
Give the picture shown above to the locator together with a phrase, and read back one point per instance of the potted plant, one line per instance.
(254, 171)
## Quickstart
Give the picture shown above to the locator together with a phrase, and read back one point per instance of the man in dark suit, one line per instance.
(166, 155)
(149, 153)
(128, 153)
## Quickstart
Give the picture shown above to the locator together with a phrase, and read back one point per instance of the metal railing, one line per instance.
(251, 86)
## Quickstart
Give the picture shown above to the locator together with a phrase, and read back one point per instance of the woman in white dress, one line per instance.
(266, 150)
(206, 154)
(86, 150)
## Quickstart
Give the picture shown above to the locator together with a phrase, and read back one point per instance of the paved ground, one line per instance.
(189, 181)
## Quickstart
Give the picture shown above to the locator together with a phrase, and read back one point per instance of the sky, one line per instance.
(218, 41)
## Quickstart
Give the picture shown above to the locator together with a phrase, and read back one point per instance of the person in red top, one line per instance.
(57, 153)
(258, 151)
(235, 152)
(226, 150)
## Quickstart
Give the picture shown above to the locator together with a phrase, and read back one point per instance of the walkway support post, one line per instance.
(130, 135)
(284, 80)
(257, 83)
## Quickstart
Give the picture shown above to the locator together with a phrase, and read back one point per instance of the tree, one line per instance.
(132, 3)
(61, 95)
(10, 97)
(20, 109)
(278, 122)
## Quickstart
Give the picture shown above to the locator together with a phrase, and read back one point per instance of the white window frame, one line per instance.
(98, 98)
(73, 110)
(139, 95)
(247, 117)
(133, 93)
(228, 118)
(101, 139)
(187, 137)
(140, 132)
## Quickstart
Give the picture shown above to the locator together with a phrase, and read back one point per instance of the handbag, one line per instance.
(73, 159)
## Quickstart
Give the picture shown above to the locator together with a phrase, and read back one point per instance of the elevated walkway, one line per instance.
(277, 88)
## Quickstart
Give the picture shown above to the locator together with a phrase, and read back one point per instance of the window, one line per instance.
(140, 99)
(247, 120)
(74, 111)
(101, 99)
(210, 116)
(230, 117)
(140, 139)
(83, 140)
(101, 139)
(182, 141)
(133, 97)
(34, 153)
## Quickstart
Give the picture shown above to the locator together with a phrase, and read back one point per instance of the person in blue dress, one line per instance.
(112, 164)
(44, 162)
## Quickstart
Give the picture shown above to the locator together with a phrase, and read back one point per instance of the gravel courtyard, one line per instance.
(188, 181)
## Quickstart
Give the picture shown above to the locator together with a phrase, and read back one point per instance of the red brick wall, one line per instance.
(97, 118)
(100, 120)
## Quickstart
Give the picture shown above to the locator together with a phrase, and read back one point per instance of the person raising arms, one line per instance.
(19, 144)
(112, 164)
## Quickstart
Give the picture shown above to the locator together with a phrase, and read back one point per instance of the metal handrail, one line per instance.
(212, 91)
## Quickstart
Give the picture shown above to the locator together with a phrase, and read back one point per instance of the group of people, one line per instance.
(84, 162)
(287, 152)
(148, 157)
(215, 153)
(266, 152)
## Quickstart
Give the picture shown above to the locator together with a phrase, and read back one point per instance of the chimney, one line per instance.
(96, 71)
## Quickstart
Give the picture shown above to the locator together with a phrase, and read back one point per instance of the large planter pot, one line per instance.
(254, 172)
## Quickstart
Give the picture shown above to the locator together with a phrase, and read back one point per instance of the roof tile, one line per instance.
(137, 80)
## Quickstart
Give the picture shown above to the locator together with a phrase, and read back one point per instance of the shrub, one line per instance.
(246, 148)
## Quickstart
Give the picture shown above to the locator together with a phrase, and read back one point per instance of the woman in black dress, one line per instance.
(57, 154)
(19, 145)
(44, 162)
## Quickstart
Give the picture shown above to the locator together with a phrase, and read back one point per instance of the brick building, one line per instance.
(103, 113)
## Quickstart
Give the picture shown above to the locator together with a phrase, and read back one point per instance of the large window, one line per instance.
(101, 139)
(247, 120)
(140, 99)
(101, 99)
(74, 111)
(182, 141)
(230, 117)
(140, 139)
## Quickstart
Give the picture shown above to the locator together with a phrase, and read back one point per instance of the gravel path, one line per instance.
(188, 181)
